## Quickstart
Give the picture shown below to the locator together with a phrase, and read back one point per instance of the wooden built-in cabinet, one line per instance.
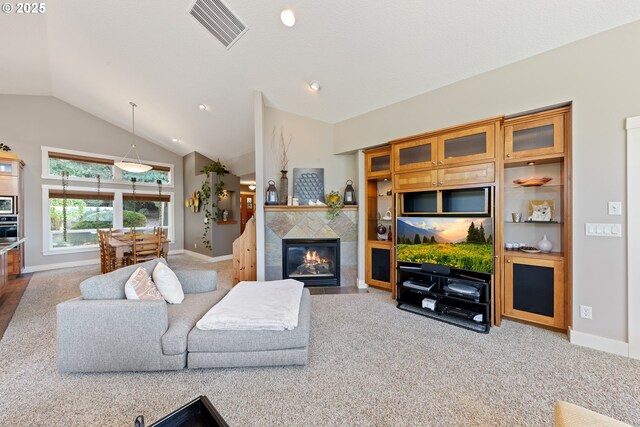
(537, 135)
(470, 170)
(537, 286)
(14, 262)
(469, 144)
(452, 176)
(379, 271)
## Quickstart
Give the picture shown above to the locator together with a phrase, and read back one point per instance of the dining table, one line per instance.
(123, 244)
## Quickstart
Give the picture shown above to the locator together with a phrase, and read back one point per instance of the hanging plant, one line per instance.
(219, 170)
(335, 203)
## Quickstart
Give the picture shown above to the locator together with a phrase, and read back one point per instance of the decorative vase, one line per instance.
(545, 245)
(284, 188)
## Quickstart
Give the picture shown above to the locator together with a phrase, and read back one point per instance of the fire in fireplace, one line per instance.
(316, 262)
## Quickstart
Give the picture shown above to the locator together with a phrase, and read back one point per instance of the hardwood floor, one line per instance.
(10, 299)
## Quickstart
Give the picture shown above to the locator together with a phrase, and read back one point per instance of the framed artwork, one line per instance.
(308, 184)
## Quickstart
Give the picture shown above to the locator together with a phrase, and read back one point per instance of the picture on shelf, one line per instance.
(462, 243)
(541, 210)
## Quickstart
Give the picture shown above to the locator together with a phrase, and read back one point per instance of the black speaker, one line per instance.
(435, 268)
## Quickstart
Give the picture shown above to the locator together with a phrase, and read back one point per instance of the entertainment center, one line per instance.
(508, 174)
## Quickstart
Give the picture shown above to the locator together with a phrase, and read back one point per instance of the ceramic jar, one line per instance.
(545, 245)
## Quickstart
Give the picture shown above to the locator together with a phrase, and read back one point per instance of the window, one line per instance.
(80, 166)
(156, 173)
(85, 212)
(145, 210)
(85, 167)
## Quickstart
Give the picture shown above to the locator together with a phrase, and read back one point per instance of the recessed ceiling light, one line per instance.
(202, 107)
(288, 18)
(175, 140)
(315, 85)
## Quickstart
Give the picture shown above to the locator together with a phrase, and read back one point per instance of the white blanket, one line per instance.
(256, 305)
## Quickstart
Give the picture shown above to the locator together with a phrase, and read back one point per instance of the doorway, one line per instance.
(247, 204)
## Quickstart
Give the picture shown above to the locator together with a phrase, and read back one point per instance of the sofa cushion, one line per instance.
(237, 341)
(141, 287)
(183, 317)
(111, 285)
(168, 284)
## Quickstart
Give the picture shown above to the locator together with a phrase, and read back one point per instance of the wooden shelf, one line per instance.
(226, 222)
(540, 255)
(381, 242)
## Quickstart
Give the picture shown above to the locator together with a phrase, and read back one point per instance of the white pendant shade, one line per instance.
(123, 164)
(133, 167)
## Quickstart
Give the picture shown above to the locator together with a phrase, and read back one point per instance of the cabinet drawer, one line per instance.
(472, 174)
(468, 145)
(417, 154)
(415, 180)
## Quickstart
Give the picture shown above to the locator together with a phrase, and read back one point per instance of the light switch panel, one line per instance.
(603, 230)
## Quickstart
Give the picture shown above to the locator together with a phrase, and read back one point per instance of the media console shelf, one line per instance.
(461, 301)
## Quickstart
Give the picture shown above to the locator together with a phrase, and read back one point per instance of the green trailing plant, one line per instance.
(335, 203)
(209, 204)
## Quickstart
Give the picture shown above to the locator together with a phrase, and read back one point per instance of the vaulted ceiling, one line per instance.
(99, 55)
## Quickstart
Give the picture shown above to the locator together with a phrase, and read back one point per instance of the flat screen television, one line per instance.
(458, 243)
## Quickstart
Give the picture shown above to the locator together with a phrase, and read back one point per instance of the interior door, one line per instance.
(247, 202)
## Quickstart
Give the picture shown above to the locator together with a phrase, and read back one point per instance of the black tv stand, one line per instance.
(458, 299)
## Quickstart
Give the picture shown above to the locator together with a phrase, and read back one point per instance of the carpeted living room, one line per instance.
(335, 213)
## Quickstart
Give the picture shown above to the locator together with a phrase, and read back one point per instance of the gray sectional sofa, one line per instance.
(102, 331)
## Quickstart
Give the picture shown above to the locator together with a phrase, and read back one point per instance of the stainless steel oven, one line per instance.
(8, 205)
(8, 228)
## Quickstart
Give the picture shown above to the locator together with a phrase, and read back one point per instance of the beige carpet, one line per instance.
(370, 364)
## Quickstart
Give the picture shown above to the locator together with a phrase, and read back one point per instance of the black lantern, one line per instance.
(272, 194)
(349, 194)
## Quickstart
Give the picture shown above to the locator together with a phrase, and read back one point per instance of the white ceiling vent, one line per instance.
(219, 21)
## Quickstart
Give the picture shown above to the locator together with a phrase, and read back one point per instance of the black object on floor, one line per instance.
(197, 413)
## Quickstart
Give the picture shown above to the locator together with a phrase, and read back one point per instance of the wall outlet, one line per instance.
(615, 208)
(586, 312)
(195, 246)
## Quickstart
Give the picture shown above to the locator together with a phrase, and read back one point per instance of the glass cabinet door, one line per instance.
(417, 154)
(379, 163)
(534, 138)
(466, 145)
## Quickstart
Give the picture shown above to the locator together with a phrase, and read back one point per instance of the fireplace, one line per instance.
(316, 262)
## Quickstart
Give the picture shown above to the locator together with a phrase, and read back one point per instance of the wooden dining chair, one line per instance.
(146, 247)
(163, 232)
(107, 253)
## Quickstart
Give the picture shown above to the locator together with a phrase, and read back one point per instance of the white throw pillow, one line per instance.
(168, 284)
(139, 286)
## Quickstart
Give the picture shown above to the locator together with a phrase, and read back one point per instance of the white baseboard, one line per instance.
(206, 257)
(599, 343)
(71, 264)
(362, 284)
(176, 252)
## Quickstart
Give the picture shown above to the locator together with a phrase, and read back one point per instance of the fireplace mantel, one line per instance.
(306, 208)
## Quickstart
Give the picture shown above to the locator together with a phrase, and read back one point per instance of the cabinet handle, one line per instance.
(509, 155)
(509, 261)
(441, 182)
(433, 162)
(441, 162)
(433, 183)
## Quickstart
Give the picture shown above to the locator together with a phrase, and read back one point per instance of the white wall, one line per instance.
(600, 75)
(311, 147)
(29, 122)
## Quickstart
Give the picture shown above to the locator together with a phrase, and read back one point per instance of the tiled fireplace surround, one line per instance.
(308, 222)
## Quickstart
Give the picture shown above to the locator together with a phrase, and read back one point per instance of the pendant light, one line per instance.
(133, 166)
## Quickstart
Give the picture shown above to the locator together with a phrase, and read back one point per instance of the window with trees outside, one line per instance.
(84, 213)
(87, 166)
(145, 211)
